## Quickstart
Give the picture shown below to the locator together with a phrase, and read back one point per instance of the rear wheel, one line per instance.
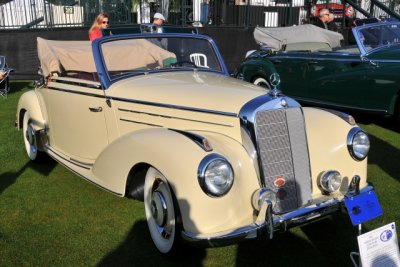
(30, 140)
(161, 212)
(260, 81)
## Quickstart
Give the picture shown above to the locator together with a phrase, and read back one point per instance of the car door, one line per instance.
(76, 115)
(337, 79)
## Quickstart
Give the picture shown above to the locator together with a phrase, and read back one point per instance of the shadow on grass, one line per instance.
(385, 156)
(384, 122)
(138, 250)
(328, 243)
(9, 178)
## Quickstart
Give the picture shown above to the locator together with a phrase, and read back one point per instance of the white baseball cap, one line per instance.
(159, 16)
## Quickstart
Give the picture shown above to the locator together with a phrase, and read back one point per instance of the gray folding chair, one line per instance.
(4, 79)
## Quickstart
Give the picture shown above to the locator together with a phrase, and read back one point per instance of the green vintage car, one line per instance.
(315, 69)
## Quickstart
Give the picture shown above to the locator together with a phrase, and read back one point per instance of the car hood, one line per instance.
(187, 89)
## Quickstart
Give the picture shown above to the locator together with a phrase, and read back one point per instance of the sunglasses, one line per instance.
(104, 22)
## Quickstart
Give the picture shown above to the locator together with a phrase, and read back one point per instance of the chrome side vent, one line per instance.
(283, 156)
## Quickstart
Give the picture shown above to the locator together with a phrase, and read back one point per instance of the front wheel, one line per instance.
(260, 81)
(30, 140)
(161, 212)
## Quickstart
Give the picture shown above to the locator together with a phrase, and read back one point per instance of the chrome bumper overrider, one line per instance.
(267, 223)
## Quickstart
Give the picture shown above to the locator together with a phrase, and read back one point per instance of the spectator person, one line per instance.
(331, 23)
(323, 18)
(101, 22)
(158, 19)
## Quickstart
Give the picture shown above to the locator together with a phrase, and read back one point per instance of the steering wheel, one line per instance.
(183, 63)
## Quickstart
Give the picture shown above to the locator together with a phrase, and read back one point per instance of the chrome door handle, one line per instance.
(98, 109)
(312, 62)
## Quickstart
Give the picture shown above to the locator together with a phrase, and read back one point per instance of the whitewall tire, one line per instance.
(160, 212)
(260, 81)
(30, 141)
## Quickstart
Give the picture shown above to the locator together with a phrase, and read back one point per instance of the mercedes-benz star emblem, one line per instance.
(274, 79)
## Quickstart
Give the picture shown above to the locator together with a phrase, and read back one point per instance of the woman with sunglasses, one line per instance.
(101, 22)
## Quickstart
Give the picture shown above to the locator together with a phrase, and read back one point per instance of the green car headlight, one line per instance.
(215, 175)
(358, 143)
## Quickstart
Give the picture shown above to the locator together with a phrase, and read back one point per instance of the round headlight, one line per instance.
(330, 181)
(215, 175)
(358, 143)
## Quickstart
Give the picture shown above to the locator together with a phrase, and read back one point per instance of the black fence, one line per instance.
(17, 14)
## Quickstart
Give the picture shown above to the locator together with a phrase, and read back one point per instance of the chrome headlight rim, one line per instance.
(205, 182)
(330, 181)
(354, 133)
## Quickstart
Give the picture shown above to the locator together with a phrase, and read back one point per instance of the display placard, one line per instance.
(379, 247)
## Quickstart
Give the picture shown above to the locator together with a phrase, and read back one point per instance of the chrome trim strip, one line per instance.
(328, 104)
(344, 116)
(70, 160)
(148, 103)
(76, 83)
(78, 174)
(282, 222)
(197, 139)
(76, 92)
(307, 57)
(173, 117)
(80, 162)
(139, 122)
(73, 79)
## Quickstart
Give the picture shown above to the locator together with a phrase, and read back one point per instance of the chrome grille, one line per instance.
(283, 155)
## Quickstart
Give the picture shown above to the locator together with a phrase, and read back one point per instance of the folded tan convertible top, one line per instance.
(275, 38)
(56, 56)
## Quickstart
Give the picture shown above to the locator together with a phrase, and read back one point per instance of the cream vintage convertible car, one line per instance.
(156, 117)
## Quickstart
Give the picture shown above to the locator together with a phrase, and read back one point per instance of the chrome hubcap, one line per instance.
(30, 135)
(159, 208)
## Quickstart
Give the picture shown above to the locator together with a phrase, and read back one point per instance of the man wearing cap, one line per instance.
(158, 19)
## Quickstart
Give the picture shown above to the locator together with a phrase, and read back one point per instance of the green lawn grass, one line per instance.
(51, 217)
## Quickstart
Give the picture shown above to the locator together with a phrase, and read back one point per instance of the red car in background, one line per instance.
(336, 8)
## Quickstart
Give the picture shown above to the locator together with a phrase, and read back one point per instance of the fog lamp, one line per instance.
(330, 181)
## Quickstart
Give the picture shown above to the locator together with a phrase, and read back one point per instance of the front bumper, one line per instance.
(268, 223)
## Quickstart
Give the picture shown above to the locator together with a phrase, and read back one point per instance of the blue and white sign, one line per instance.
(380, 248)
(363, 207)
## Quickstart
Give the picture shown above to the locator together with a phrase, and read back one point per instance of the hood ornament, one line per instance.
(274, 80)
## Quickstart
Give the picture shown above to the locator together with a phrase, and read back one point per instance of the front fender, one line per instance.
(177, 157)
(29, 101)
(258, 67)
(327, 143)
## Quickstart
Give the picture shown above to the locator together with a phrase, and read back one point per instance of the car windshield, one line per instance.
(156, 54)
(376, 36)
